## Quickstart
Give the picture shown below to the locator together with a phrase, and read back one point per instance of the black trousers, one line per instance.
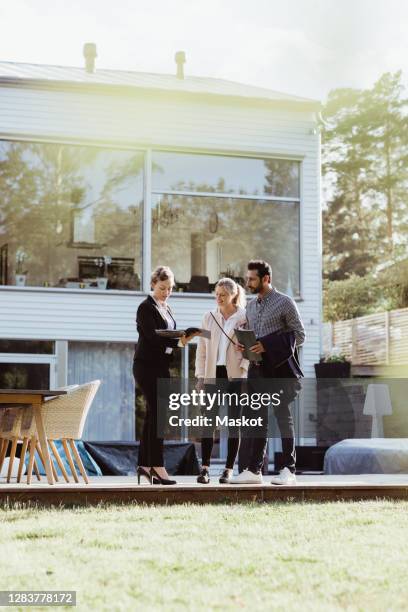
(252, 451)
(233, 437)
(146, 376)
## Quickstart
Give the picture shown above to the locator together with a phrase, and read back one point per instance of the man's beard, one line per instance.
(255, 290)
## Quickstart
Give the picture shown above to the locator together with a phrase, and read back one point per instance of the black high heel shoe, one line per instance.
(145, 473)
(159, 480)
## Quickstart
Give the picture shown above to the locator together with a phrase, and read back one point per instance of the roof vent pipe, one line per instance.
(90, 55)
(180, 58)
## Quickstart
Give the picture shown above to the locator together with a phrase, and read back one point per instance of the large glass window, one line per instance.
(253, 214)
(70, 216)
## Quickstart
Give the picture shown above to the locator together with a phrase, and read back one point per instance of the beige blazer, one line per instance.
(207, 349)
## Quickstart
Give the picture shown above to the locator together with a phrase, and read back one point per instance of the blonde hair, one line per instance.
(239, 297)
(161, 273)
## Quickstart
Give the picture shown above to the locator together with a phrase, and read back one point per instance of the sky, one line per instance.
(301, 47)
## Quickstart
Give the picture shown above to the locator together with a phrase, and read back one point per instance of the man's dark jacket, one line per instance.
(281, 349)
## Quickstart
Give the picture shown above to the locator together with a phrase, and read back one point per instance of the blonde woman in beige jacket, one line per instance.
(218, 358)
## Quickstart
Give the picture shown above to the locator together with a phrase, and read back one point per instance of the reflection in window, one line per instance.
(39, 347)
(83, 226)
(215, 173)
(203, 238)
(24, 376)
(60, 204)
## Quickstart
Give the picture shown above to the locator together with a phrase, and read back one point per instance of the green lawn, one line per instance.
(308, 556)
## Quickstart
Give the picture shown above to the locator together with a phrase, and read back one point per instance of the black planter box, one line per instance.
(336, 418)
(119, 458)
(308, 459)
(336, 369)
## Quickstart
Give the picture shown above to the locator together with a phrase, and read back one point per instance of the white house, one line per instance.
(104, 174)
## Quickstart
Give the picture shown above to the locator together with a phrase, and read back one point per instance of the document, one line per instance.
(247, 338)
(177, 333)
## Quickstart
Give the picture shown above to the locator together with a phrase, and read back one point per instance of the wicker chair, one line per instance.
(10, 427)
(64, 419)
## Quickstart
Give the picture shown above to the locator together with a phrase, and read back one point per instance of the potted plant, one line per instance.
(21, 273)
(334, 365)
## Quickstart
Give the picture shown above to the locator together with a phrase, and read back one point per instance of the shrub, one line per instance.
(362, 295)
(350, 298)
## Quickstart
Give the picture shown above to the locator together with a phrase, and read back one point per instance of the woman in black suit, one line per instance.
(152, 361)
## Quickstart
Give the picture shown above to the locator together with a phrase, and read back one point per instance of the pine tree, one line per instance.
(385, 119)
(348, 219)
(365, 153)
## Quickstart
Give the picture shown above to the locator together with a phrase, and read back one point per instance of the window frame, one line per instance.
(149, 192)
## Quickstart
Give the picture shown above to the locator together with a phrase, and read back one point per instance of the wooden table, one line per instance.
(34, 398)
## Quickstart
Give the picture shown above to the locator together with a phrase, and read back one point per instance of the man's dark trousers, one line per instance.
(252, 450)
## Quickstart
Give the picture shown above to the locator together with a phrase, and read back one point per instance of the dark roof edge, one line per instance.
(113, 89)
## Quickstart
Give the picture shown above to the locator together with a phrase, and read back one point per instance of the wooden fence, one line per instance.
(378, 339)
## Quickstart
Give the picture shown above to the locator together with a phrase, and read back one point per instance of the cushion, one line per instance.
(368, 456)
(90, 465)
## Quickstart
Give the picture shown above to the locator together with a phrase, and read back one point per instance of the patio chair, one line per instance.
(10, 423)
(64, 419)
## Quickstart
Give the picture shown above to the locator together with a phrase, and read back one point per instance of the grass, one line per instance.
(338, 556)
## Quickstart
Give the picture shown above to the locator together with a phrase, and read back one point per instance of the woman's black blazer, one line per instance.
(151, 347)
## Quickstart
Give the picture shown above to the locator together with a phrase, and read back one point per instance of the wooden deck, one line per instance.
(120, 489)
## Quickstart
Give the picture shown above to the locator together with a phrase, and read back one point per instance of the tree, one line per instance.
(365, 148)
(386, 121)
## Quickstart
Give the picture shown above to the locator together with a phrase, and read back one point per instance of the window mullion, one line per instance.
(147, 223)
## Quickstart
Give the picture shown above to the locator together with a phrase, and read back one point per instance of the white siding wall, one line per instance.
(153, 120)
(145, 120)
(60, 314)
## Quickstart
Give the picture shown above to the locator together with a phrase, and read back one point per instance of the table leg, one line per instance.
(43, 442)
